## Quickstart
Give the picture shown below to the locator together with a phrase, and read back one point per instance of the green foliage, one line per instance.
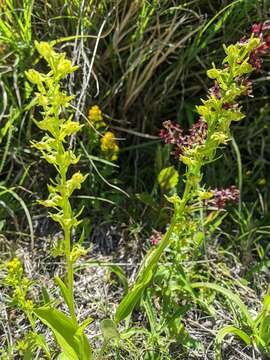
(144, 277)
(69, 334)
(132, 66)
(258, 329)
(20, 287)
(218, 121)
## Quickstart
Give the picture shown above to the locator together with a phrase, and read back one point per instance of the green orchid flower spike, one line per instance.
(54, 149)
(199, 148)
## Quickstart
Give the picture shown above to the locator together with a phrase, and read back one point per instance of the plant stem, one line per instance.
(31, 320)
(70, 276)
(240, 176)
(67, 215)
(153, 257)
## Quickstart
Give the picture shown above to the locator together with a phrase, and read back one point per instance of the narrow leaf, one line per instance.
(117, 270)
(65, 292)
(230, 296)
(226, 331)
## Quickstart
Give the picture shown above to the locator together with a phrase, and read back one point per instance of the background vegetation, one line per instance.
(142, 62)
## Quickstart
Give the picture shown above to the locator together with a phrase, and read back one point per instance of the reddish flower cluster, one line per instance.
(156, 237)
(215, 91)
(197, 134)
(263, 32)
(174, 134)
(249, 87)
(223, 196)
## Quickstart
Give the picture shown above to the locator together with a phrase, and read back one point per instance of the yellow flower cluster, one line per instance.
(109, 146)
(108, 143)
(14, 265)
(19, 283)
(15, 270)
(95, 117)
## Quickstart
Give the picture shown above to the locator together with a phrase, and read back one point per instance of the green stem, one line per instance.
(70, 276)
(67, 214)
(239, 166)
(31, 320)
(153, 258)
(148, 267)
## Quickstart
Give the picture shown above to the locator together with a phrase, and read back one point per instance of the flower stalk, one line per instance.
(54, 103)
(199, 147)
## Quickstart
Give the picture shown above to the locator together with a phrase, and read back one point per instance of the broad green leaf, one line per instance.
(260, 343)
(109, 329)
(264, 311)
(130, 300)
(266, 300)
(66, 333)
(62, 356)
(262, 323)
(85, 352)
(168, 178)
(144, 277)
(232, 330)
(264, 329)
(63, 328)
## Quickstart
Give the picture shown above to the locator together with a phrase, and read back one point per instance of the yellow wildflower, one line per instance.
(22, 346)
(95, 116)
(14, 265)
(14, 272)
(109, 146)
